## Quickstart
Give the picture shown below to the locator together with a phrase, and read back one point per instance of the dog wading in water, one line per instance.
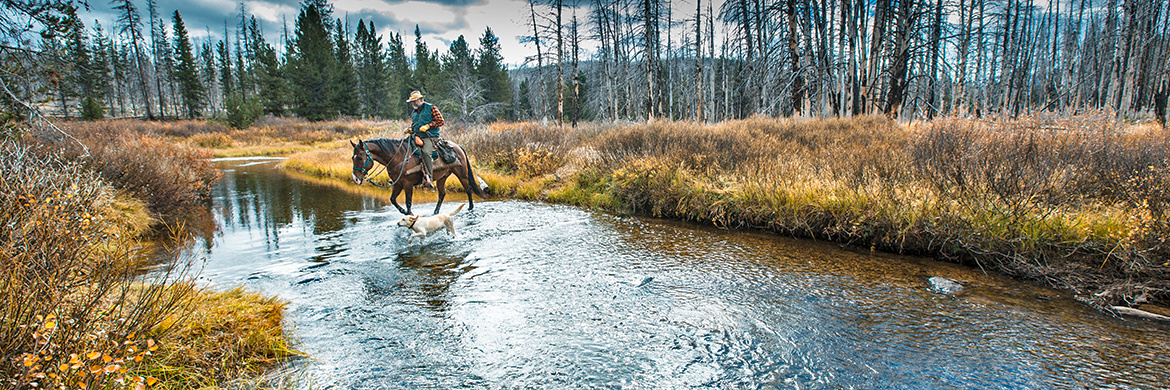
(423, 226)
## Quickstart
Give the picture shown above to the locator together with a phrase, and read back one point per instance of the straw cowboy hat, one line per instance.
(416, 95)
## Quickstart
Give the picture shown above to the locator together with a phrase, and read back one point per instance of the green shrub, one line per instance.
(242, 111)
(91, 109)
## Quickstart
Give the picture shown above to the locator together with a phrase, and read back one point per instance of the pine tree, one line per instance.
(311, 63)
(371, 67)
(268, 77)
(344, 87)
(489, 65)
(426, 69)
(207, 73)
(56, 63)
(458, 58)
(158, 43)
(225, 70)
(102, 67)
(185, 73)
(398, 72)
(462, 82)
(79, 55)
(523, 102)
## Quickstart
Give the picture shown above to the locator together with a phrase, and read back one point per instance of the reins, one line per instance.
(369, 161)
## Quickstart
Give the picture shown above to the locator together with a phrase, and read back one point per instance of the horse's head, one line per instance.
(362, 162)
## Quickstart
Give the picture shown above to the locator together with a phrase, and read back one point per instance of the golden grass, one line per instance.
(73, 309)
(1068, 194)
(1077, 202)
(332, 163)
(420, 195)
(223, 337)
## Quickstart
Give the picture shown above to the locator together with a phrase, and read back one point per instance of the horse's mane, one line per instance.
(387, 145)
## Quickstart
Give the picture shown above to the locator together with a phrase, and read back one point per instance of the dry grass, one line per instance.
(1074, 202)
(69, 305)
(75, 308)
(420, 195)
(172, 179)
(269, 136)
(331, 163)
(1078, 203)
(234, 334)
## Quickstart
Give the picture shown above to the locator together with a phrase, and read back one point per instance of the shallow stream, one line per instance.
(531, 295)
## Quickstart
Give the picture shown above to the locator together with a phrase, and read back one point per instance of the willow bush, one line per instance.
(70, 311)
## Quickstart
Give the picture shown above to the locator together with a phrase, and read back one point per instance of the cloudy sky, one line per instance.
(440, 21)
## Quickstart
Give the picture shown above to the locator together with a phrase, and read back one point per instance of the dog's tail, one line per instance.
(457, 209)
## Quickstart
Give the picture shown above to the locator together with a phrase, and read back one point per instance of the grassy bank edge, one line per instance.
(829, 213)
(217, 335)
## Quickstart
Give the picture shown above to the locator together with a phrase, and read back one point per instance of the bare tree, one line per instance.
(130, 26)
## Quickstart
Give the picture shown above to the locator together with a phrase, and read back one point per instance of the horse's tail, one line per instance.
(471, 176)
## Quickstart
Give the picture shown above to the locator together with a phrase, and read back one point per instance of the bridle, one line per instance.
(370, 162)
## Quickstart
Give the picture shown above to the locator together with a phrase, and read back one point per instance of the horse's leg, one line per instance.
(466, 181)
(441, 187)
(394, 199)
(409, 194)
(463, 172)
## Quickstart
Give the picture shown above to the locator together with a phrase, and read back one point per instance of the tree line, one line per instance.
(149, 67)
(906, 59)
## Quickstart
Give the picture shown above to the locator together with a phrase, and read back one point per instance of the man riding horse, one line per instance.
(424, 128)
(396, 155)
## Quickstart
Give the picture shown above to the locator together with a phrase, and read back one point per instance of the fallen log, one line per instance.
(1129, 311)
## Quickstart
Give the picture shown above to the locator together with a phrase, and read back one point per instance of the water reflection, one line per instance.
(536, 296)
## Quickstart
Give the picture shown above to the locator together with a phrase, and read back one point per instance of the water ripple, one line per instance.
(528, 295)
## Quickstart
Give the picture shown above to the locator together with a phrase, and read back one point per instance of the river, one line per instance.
(532, 295)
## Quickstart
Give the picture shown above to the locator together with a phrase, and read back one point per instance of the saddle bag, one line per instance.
(445, 151)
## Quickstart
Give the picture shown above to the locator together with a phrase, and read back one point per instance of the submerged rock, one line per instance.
(943, 285)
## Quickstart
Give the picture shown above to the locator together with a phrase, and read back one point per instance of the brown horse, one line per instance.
(405, 169)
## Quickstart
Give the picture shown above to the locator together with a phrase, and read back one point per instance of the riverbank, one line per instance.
(1074, 203)
(83, 225)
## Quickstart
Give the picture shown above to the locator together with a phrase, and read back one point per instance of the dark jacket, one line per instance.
(426, 114)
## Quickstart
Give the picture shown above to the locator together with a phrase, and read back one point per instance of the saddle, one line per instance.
(443, 150)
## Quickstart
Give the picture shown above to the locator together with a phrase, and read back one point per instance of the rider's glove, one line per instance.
(424, 128)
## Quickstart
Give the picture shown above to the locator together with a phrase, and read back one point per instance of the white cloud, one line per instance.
(271, 12)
